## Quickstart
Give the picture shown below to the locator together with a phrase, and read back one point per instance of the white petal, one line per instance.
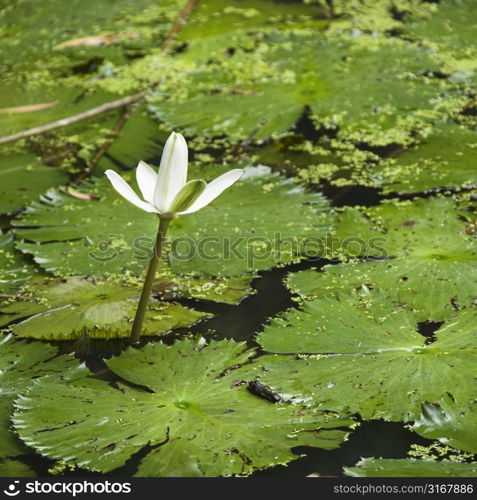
(125, 190)
(214, 189)
(146, 180)
(172, 172)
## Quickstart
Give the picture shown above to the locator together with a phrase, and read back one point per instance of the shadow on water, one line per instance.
(241, 322)
(375, 439)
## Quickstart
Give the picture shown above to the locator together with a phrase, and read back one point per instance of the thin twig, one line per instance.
(239, 146)
(16, 297)
(104, 147)
(119, 103)
(181, 20)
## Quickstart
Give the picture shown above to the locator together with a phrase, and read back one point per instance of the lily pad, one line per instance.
(426, 250)
(139, 138)
(23, 178)
(70, 43)
(451, 423)
(446, 158)
(21, 362)
(15, 468)
(15, 268)
(215, 27)
(70, 308)
(319, 162)
(194, 415)
(110, 237)
(287, 72)
(380, 467)
(446, 28)
(376, 363)
(218, 289)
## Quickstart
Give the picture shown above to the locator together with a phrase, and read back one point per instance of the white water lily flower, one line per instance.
(168, 193)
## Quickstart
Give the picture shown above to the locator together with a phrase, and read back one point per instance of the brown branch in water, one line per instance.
(29, 108)
(179, 24)
(109, 106)
(239, 146)
(104, 147)
(330, 9)
(16, 297)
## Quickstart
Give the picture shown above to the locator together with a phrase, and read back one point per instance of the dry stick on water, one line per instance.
(119, 103)
(179, 24)
(105, 146)
(16, 297)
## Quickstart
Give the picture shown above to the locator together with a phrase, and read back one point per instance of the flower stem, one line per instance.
(148, 282)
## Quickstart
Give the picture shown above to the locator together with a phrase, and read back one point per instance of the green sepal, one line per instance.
(187, 195)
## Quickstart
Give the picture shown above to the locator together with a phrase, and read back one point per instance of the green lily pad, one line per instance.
(427, 228)
(16, 270)
(139, 138)
(446, 28)
(23, 178)
(379, 467)
(450, 422)
(359, 323)
(287, 72)
(446, 158)
(218, 289)
(15, 468)
(70, 308)
(27, 41)
(427, 257)
(376, 363)
(196, 418)
(22, 362)
(110, 237)
(215, 27)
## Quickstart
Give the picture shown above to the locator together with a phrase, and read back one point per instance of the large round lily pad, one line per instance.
(184, 401)
(426, 257)
(380, 467)
(70, 308)
(257, 224)
(21, 363)
(371, 360)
